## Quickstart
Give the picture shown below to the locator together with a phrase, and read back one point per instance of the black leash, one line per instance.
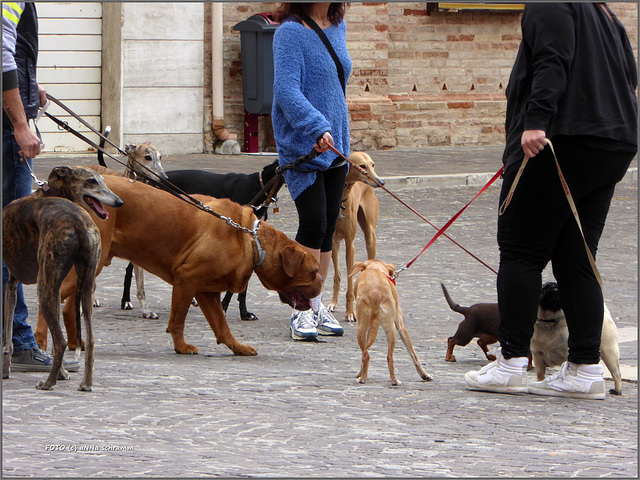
(160, 183)
(274, 185)
(82, 121)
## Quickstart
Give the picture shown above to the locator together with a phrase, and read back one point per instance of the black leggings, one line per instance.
(318, 208)
(538, 227)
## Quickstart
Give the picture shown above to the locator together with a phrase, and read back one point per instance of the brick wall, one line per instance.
(418, 78)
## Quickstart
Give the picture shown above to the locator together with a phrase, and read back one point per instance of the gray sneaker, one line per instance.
(326, 323)
(37, 360)
(303, 326)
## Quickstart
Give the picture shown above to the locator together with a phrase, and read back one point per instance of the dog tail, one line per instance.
(453, 305)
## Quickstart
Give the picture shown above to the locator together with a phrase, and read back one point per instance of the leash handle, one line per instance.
(572, 206)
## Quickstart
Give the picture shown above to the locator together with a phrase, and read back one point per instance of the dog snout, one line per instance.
(116, 202)
(160, 172)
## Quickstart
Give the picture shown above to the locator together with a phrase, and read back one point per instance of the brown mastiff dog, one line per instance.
(199, 254)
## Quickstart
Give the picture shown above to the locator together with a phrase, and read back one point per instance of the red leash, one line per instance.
(453, 219)
(440, 230)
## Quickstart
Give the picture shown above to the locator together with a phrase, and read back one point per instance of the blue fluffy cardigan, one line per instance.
(308, 99)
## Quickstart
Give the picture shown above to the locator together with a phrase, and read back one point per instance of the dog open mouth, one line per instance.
(96, 206)
(296, 299)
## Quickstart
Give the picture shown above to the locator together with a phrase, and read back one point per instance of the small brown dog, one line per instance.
(377, 303)
(480, 320)
(359, 207)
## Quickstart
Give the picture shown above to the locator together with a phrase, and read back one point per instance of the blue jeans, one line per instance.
(16, 183)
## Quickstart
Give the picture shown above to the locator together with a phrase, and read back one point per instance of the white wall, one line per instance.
(69, 67)
(162, 75)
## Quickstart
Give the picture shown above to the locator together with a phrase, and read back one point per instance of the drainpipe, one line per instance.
(218, 124)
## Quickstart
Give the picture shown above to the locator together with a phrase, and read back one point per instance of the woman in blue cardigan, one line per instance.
(310, 112)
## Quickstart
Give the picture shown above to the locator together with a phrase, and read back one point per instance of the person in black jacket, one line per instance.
(573, 82)
(21, 99)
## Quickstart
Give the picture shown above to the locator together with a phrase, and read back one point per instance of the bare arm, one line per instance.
(25, 137)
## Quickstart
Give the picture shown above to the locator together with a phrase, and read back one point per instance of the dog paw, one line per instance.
(426, 377)
(613, 391)
(452, 358)
(491, 358)
(127, 306)
(332, 307)
(42, 385)
(248, 317)
(243, 350)
(187, 349)
(349, 317)
(63, 374)
(152, 315)
(396, 383)
(84, 388)
(96, 303)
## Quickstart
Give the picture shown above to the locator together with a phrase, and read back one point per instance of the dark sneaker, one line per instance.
(37, 360)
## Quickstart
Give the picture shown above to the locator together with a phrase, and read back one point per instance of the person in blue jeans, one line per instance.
(21, 99)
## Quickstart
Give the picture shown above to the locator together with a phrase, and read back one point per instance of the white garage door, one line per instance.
(69, 67)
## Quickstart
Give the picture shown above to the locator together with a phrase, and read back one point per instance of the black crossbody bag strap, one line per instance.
(332, 52)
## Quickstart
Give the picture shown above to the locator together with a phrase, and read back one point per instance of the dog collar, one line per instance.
(50, 191)
(261, 253)
(391, 279)
(551, 320)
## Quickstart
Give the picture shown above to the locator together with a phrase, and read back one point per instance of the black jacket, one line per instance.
(575, 74)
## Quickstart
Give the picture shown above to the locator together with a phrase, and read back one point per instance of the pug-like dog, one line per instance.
(549, 344)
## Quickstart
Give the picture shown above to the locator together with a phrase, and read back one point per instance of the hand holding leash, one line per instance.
(324, 141)
(533, 142)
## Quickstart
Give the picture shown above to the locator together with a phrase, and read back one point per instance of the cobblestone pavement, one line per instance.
(295, 410)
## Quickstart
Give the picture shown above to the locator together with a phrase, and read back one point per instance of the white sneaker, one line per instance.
(500, 376)
(573, 380)
(303, 325)
(327, 323)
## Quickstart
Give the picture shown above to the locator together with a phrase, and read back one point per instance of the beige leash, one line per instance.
(572, 204)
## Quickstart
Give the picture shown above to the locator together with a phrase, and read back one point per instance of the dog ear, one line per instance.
(357, 268)
(391, 268)
(59, 172)
(292, 257)
(130, 148)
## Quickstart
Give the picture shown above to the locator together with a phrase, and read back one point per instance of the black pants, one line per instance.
(318, 208)
(538, 227)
